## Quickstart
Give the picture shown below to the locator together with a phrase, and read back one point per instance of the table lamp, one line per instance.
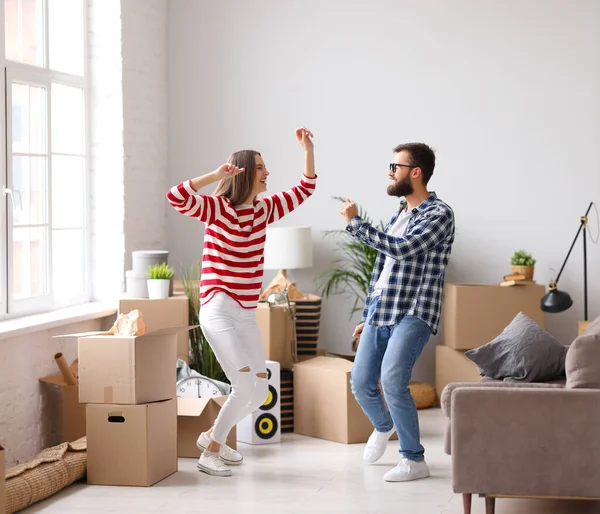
(287, 248)
(558, 301)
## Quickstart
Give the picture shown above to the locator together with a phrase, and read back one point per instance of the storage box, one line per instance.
(475, 314)
(127, 369)
(167, 313)
(131, 445)
(2, 481)
(324, 405)
(194, 416)
(452, 366)
(276, 333)
(73, 412)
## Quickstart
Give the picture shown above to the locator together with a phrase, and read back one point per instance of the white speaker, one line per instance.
(264, 425)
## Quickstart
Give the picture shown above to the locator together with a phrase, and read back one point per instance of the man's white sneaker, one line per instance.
(229, 455)
(212, 464)
(407, 470)
(376, 445)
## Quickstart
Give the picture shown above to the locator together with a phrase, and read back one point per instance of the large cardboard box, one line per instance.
(167, 313)
(324, 405)
(277, 333)
(474, 314)
(127, 369)
(73, 412)
(194, 416)
(2, 481)
(452, 366)
(131, 445)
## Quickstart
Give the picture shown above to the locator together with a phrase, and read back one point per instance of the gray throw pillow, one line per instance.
(523, 352)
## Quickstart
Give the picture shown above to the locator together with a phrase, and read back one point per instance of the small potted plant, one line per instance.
(159, 280)
(523, 264)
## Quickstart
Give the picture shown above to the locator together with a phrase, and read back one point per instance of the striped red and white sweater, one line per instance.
(234, 239)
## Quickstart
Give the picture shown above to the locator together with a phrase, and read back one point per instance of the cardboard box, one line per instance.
(277, 333)
(167, 313)
(324, 405)
(452, 366)
(131, 445)
(127, 369)
(475, 314)
(2, 481)
(194, 416)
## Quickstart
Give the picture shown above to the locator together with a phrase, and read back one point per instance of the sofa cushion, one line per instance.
(583, 363)
(524, 352)
(594, 328)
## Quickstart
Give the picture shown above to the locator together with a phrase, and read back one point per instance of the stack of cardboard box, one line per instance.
(128, 384)
(473, 315)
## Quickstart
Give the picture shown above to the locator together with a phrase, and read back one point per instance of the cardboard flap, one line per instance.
(58, 380)
(167, 331)
(191, 406)
(220, 400)
(327, 363)
(82, 334)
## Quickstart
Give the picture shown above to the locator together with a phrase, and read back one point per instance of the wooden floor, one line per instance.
(303, 475)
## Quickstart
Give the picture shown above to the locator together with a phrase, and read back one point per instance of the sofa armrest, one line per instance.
(526, 441)
(446, 397)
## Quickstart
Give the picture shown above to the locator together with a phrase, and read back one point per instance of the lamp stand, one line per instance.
(278, 284)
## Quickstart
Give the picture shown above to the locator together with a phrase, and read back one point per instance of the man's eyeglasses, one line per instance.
(394, 165)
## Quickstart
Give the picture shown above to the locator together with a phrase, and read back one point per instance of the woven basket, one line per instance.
(423, 394)
(52, 470)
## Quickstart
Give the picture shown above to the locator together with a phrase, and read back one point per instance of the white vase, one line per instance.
(158, 289)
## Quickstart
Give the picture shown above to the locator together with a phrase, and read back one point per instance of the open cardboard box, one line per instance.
(127, 369)
(73, 413)
(194, 416)
(131, 445)
(163, 313)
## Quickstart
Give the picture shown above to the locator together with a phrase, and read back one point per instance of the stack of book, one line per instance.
(516, 280)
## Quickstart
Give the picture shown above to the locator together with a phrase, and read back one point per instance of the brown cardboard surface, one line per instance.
(276, 332)
(139, 451)
(2, 481)
(170, 312)
(127, 369)
(474, 314)
(324, 405)
(194, 416)
(452, 366)
(73, 413)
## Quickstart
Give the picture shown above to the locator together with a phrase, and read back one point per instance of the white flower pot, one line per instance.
(158, 289)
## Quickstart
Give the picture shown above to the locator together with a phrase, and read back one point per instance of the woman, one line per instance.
(232, 269)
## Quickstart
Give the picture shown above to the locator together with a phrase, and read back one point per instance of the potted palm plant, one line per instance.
(159, 280)
(523, 264)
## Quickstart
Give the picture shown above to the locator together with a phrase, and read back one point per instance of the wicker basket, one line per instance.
(423, 394)
(524, 270)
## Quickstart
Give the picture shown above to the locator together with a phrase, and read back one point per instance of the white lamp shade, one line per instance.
(288, 248)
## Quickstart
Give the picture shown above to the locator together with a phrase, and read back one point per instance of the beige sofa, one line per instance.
(528, 440)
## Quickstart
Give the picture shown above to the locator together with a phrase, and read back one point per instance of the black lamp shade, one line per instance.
(556, 301)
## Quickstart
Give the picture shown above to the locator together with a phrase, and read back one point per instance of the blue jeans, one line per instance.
(389, 353)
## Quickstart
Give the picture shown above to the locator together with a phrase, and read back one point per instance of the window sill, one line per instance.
(47, 320)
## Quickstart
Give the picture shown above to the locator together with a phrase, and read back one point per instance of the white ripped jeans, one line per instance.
(234, 337)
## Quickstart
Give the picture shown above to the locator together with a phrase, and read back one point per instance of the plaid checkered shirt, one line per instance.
(420, 259)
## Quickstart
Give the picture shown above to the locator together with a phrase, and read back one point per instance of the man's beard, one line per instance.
(400, 188)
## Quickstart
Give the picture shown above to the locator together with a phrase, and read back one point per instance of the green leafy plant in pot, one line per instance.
(203, 359)
(159, 280)
(523, 264)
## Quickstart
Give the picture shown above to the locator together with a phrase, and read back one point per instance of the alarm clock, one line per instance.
(197, 387)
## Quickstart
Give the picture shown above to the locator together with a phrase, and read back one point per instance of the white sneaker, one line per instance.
(229, 455)
(376, 445)
(407, 470)
(212, 464)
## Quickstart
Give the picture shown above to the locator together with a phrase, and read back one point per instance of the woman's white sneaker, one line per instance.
(229, 455)
(212, 464)
(376, 445)
(407, 470)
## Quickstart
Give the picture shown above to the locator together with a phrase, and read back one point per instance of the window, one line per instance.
(44, 243)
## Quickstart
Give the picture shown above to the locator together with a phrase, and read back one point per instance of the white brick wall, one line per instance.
(128, 161)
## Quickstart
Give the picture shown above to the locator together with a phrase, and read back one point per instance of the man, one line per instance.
(403, 305)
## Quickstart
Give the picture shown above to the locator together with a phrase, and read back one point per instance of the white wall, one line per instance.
(507, 95)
